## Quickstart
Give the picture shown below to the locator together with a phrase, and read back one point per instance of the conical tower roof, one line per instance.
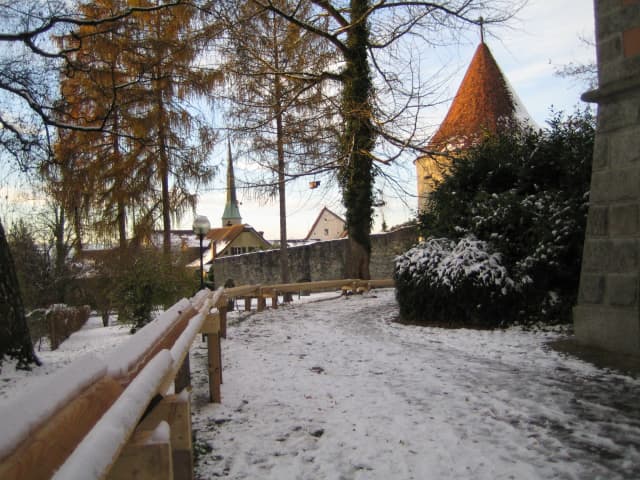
(483, 100)
(231, 214)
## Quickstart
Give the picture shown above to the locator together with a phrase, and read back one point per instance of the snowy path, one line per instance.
(334, 390)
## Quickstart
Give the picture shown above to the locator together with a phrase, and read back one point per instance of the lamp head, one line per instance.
(201, 225)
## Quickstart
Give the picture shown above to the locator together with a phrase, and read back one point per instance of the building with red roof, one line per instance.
(484, 101)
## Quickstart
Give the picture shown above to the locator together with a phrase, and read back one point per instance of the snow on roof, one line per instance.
(179, 238)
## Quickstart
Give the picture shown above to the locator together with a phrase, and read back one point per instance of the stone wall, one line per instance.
(607, 314)
(316, 261)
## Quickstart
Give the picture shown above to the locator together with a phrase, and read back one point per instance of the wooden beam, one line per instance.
(183, 377)
(222, 311)
(211, 323)
(144, 458)
(40, 455)
(214, 367)
(176, 411)
(242, 290)
(262, 303)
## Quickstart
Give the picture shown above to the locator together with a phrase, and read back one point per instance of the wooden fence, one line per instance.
(128, 415)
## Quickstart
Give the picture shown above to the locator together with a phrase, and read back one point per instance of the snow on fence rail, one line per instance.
(79, 421)
(105, 418)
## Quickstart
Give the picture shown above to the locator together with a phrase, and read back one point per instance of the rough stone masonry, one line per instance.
(607, 314)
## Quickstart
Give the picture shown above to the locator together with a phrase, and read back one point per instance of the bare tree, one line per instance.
(285, 122)
(378, 83)
(585, 72)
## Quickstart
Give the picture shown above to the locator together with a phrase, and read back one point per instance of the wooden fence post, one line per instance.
(176, 411)
(144, 458)
(213, 347)
(183, 377)
(223, 321)
(212, 328)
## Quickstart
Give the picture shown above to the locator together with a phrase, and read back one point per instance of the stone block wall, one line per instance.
(313, 262)
(608, 314)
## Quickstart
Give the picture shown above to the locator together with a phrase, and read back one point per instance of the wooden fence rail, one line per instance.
(119, 417)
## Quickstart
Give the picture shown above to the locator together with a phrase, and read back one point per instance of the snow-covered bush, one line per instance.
(525, 194)
(443, 281)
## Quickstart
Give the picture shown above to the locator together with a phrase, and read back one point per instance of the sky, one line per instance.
(544, 36)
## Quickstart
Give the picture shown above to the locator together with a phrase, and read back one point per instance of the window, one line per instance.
(326, 232)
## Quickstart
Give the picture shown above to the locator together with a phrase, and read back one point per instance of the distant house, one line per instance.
(235, 240)
(328, 226)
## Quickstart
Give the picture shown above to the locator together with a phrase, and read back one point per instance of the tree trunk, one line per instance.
(15, 340)
(120, 190)
(357, 261)
(356, 173)
(61, 254)
(164, 176)
(284, 253)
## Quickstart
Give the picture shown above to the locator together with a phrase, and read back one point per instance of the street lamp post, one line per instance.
(201, 226)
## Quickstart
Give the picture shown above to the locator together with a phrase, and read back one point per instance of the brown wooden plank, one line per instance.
(176, 411)
(39, 456)
(143, 459)
(222, 311)
(211, 323)
(215, 367)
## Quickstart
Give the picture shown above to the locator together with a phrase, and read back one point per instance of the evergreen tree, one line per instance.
(141, 165)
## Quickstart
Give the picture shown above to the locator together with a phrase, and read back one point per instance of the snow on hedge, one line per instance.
(440, 262)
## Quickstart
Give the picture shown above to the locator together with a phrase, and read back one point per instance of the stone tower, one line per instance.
(231, 214)
(607, 314)
(482, 103)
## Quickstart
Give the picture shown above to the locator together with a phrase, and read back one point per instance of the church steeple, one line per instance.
(231, 215)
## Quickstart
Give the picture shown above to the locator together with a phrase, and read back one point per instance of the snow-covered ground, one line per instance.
(92, 338)
(336, 390)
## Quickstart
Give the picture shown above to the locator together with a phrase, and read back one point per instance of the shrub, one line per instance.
(524, 195)
(63, 320)
(137, 281)
(453, 280)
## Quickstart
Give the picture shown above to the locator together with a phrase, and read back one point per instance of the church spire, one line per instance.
(231, 215)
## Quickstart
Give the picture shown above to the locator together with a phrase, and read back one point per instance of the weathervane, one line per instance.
(481, 23)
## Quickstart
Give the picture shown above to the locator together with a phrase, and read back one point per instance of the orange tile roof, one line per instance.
(482, 100)
(225, 234)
